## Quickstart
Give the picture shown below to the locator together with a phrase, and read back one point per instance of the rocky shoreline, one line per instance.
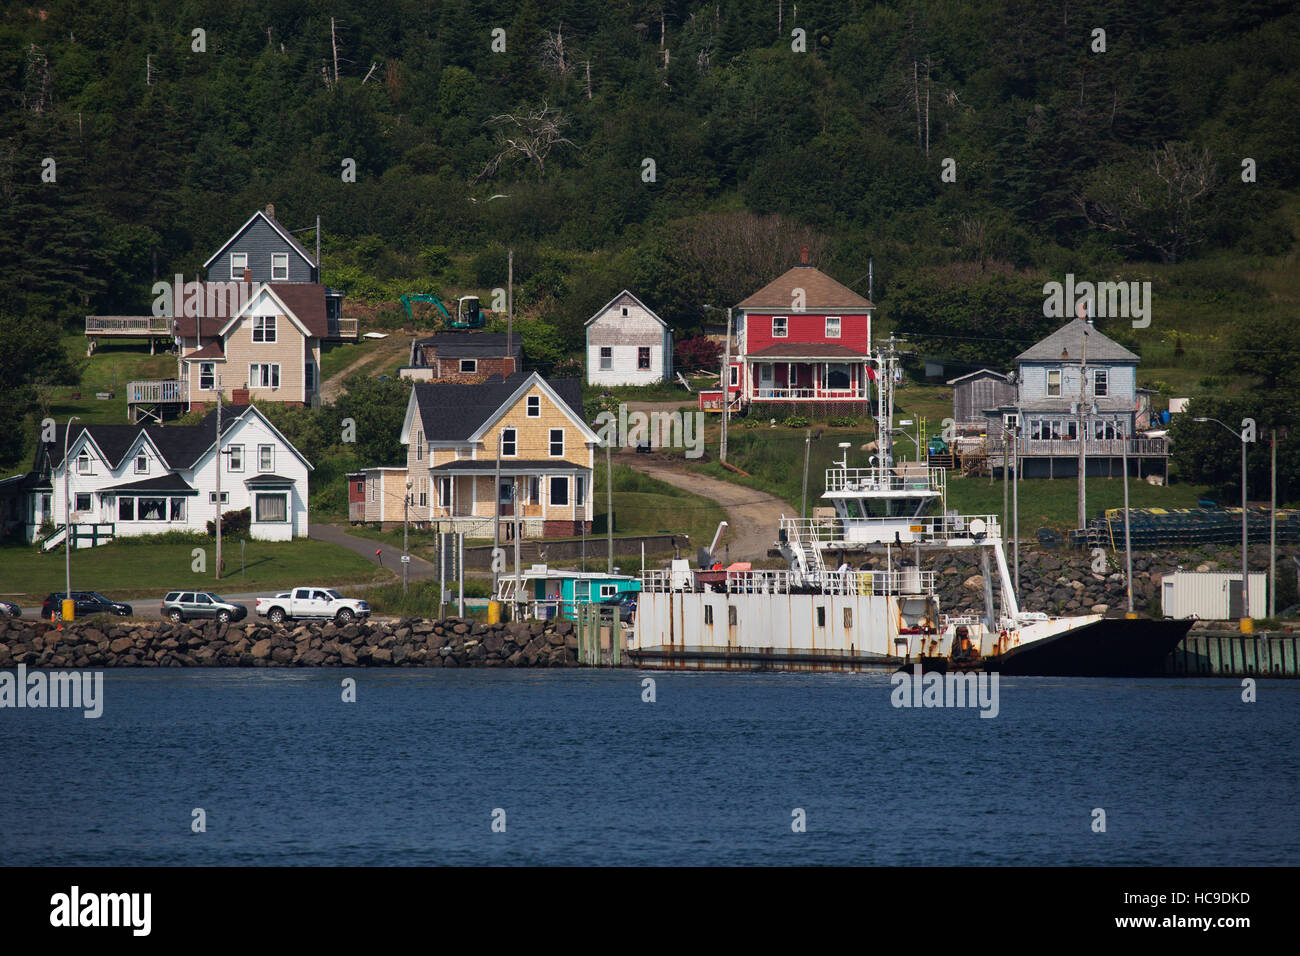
(452, 642)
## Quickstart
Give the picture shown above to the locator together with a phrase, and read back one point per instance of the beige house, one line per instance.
(260, 341)
(454, 434)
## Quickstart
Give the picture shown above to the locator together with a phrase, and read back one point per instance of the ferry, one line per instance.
(822, 614)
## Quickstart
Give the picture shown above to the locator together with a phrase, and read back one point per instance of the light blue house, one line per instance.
(554, 592)
(1076, 383)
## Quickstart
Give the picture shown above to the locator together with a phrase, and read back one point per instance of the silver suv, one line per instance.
(180, 606)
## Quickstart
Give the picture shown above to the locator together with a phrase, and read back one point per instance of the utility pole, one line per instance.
(319, 272)
(517, 505)
(496, 513)
(1272, 522)
(67, 520)
(1128, 546)
(1245, 562)
(510, 302)
(1083, 402)
(726, 389)
(218, 464)
(406, 527)
(1015, 512)
(609, 505)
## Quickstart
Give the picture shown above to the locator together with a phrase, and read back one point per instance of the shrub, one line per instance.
(795, 421)
(843, 421)
(697, 352)
(233, 523)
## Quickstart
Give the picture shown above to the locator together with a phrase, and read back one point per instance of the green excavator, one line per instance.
(468, 314)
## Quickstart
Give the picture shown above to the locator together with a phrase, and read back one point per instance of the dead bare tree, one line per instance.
(555, 59)
(530, 135)
(1154, 203)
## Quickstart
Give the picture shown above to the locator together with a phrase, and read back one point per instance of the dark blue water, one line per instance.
(587, 773)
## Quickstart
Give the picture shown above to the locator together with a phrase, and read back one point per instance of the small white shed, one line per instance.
(627, 344)
(1210, 595)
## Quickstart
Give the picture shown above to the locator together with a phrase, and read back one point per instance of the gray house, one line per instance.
(973, 393)
(1077, 382)
(266, 251)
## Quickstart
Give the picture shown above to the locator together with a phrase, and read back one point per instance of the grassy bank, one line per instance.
(140, 568)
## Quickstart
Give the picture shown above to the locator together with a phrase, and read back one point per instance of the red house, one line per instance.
(803, 339)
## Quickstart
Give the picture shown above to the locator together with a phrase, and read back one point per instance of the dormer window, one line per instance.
(780, 325)
(238, 263)
(142, 464)
(279, 266)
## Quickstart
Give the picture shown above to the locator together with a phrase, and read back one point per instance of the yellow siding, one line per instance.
(533, 434)
(290, 351)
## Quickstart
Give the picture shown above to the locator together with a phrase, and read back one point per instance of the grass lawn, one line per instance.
(113, 365)
(336, 356)
(1053, 503)
(138, 569)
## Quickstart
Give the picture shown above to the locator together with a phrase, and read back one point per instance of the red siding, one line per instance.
(855, 331)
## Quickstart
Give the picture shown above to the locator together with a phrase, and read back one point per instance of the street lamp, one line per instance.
(1246, 625)
(915, 439)
(67, 521)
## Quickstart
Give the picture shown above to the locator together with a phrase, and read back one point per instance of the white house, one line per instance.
(627, 344)
(148, 479)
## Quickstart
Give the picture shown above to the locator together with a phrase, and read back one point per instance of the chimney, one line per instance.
(270, 210)
(803, 255)
(248, 276)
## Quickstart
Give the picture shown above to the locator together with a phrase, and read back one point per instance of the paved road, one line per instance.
(376, 552)
(753, 516)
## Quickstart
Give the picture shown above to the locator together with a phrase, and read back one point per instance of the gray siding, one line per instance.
(971, 397)
(1033, 381)
(259, 241)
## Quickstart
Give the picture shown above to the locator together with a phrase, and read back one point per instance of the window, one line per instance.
(838, 377)
(625, 312)
(559, 490)
(1054, 382)
(236, 457)
(504, 494)
(309, 376)
(125, 509)
(424, 492)
(832, 326)
(84, 463)
(534, 406)
(207, 376)
(142, 464)
(83, 501)
(419, 445)
(606, 358)
(212, 497)
(821, 617)
(263, 328)
(271, 507)
(731, 614)
(608, 590)
(735, 376)
(469, 365)
(1100, 382)
(266, 458)
(151, 509)
(508, 443)
(534, 491)
(1012, 422)
(238, 263)
(643, 357)
(557, 442)
(264, 376)
(279, 266)
(444, 492)
(178, 509)
(708, 614)
(780, 325)
(579, 490)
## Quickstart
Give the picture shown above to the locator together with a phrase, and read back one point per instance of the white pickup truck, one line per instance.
(311, 603)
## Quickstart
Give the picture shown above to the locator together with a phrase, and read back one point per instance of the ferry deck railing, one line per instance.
(932, 528)
(834, 582)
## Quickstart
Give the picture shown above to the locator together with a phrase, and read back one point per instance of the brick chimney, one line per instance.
(803, 255)
(248, 276)
(270, 210)
(239, 396)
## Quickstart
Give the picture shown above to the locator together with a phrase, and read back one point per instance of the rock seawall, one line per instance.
(406, 643)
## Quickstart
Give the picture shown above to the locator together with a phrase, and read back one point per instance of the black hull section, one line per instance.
(1111, 647)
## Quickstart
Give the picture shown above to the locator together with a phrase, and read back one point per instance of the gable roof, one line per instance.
(284, 233)
(454, 411)
(304, 302)
(821, 294)
(1069, 338)
(604, 308)
(981, 371)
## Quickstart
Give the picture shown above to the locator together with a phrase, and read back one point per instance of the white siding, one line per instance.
(625, 334)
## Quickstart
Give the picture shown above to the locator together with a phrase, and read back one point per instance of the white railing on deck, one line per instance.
(849, 582)
(167, 390)
(876, 479)
(129, 324)
(829, 531)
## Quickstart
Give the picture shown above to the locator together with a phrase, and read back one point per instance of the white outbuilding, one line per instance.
(627, 344)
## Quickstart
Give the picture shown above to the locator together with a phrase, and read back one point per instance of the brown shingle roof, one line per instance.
(306, 300)
(821, 294)
(212, 350)
(800, 350)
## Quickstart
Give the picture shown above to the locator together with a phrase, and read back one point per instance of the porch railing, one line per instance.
(1098, 447)
(164, 390)
(129, 324)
